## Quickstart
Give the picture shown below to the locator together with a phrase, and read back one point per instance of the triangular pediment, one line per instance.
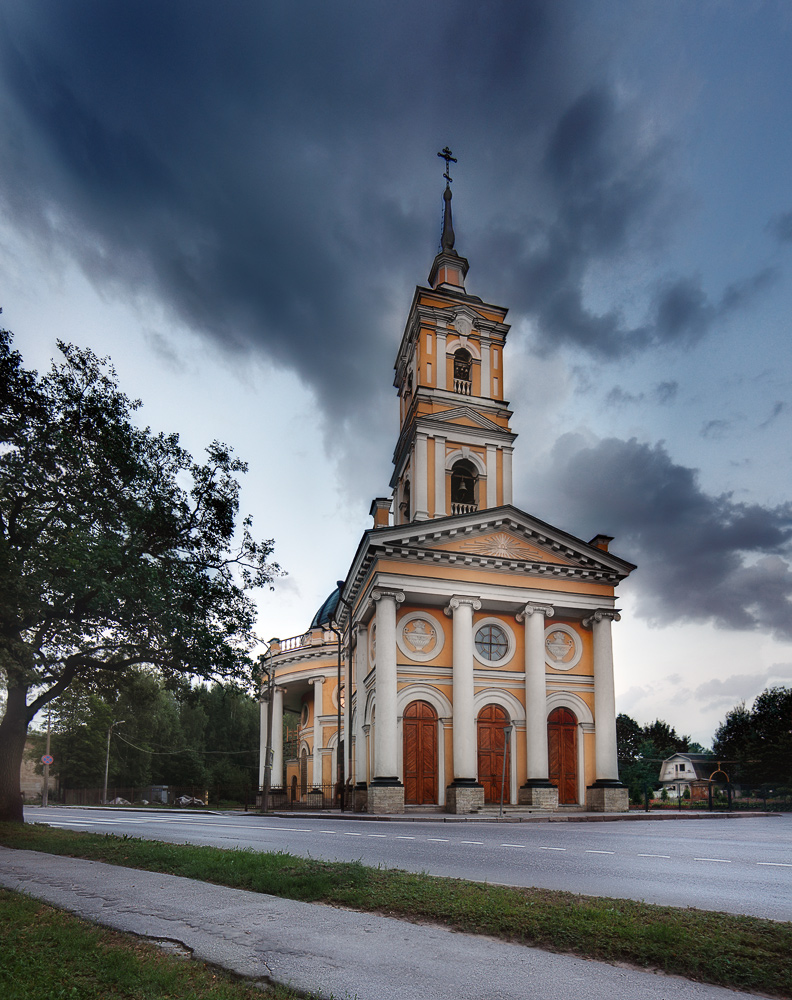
(502, 545)
(464, 415)
(504, 535)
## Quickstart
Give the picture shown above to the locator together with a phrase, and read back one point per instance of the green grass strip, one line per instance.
(46, 954)
(739, 952)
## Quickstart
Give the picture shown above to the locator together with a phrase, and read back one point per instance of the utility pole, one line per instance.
(107, 758)
(45, 789)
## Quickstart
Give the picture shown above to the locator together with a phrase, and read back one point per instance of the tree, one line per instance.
(629, 735)
(116, 547)
(665, 738)
(757, 742)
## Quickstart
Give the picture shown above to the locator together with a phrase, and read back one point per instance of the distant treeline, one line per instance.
(207, 737)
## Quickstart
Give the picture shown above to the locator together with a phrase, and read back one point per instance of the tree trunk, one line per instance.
(13, 731)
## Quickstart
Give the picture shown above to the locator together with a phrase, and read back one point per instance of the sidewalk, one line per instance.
(322, 950)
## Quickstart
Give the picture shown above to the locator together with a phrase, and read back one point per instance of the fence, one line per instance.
(733, 797)
(164, 795)
(314, 799)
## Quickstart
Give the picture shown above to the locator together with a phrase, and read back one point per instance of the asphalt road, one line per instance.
(735, 865)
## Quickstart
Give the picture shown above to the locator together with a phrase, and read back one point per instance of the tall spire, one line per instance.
(448, 269)
(447, 239)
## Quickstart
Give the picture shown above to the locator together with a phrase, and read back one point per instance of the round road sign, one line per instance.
(47, 759)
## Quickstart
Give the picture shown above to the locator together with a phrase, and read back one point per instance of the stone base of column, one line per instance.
(361, 797)
(607, 796)
(467, 797)
(385, 795)
(540, 795)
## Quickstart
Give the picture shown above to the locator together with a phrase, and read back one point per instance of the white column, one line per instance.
(386, 758)
(507, 475)
(262, 737)
(441, 359)
(605, 746)
(492, 476)
(486, 386)
(440, 476)
(276, 777)
(346, 711)
(460, 610)
(421, 479)
(318, 683)
(361, 669)
(537, 769)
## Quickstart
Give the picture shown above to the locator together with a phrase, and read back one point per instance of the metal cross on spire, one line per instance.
(446, 155)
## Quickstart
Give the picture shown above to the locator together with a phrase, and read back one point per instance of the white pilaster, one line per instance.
(318, 684)
(440, 476)
(421, 478)
(537, 764)
(605, 746)
(386, 758)
(507, 475)
(486, 385)
(492, 476)
(460, 610)
(441, 359)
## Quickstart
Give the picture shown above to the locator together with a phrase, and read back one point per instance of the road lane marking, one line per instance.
(512, 845)
(353, 834)
(552, 848)
(333, 832)
(376, 835)
(478, 843)
(285, 829)
(600, 852)
(405, 838)
(775, 864)
(721, 861)
(666, 856)
(438, 840)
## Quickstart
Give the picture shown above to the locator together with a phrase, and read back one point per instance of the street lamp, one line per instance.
(120, 722)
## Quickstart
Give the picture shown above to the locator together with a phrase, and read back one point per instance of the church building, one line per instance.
(472, 640)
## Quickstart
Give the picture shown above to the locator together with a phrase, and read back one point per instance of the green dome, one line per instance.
(326, 612)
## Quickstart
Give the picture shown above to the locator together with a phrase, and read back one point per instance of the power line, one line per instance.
(171, 753)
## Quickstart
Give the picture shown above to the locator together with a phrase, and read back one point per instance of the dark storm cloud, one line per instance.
(267, 171)
(706, 558)
(662, 393)
(612, 191)
(252, 165)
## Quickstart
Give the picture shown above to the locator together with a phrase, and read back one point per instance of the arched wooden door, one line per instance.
(562, 745)
(491, 720)
(420, 754)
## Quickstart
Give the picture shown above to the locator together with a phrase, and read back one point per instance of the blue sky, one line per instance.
(235, 202)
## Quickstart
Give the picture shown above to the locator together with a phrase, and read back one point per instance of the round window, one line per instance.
(492, 642)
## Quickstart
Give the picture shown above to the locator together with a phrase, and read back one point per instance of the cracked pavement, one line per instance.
(321, 949)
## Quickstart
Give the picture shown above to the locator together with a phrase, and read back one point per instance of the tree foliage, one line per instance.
(756, 743)
(642, 749)
(204, 736)
(116, 548)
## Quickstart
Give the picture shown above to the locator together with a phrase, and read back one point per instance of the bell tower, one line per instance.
(454, 453)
